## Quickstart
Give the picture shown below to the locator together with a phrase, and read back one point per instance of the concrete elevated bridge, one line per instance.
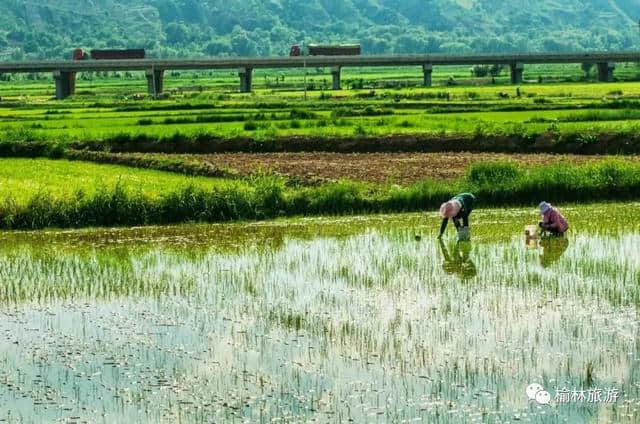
(64, 71)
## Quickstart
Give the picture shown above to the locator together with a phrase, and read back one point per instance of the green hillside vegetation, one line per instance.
(170, 28)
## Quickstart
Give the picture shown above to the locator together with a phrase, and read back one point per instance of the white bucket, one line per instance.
(531, 231)
(464, 234)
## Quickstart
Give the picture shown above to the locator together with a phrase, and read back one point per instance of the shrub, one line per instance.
(368, 95)
(301, 114)
(340, 197)
(480, 71)
(250, 126)
(495, 70)
(367, 111)
(269, 199)
(32, 149)
(21, 133)
(587, 139)
(472, 95)
(360, 130)
(586, 68)
(493, 173)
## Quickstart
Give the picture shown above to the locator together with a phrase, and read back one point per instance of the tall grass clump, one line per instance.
(192, 204)
(491, 172)
(505, 183)
(269, 196)
(107, 207)
(423, 195)
(495, 180)
(31, 149)
(266, 196)
(250, 126)
(614, 179)
(342, 197)
(601, 115)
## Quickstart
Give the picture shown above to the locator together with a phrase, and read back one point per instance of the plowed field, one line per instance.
(398, 168)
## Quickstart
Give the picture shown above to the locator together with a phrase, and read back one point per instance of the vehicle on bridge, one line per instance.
(326, 50)
(64, 70)
(111, 54)
(79, 54)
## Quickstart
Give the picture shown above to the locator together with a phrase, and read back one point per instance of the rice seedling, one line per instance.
(341, 319)
(315, 319)
(109, 109)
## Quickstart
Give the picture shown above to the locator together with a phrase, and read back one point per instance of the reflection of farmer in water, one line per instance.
(458, 262)
(552, 249)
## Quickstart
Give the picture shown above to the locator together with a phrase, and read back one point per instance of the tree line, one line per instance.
(181, 28)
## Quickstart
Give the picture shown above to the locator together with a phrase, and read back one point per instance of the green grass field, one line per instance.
(204, 109)
(373, 102)
(22, 179)
(39, 193)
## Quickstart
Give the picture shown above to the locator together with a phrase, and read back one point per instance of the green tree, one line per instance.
(218, 47)
(241, 43)
(52, 28)
(410, 43)
(586, 68)
(177, 33)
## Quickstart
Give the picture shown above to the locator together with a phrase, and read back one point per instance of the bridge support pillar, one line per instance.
(605, 71)
(335, 73)
(517, 69)
(427, 71)
(246, 79)
(155, 83)
(65, 84)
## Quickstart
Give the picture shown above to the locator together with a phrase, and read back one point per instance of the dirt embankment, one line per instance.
(396, 168)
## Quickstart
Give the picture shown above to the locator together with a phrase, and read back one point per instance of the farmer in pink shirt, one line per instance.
(552, 220)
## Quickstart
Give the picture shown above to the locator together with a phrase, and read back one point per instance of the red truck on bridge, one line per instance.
(110, 54)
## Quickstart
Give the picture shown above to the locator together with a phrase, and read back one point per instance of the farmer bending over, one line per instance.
(458, 208)
(552, 220)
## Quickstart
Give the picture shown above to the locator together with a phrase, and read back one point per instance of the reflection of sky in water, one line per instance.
(369, 327)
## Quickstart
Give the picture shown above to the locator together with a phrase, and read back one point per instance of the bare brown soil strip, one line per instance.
(311, 168)
(397, 168)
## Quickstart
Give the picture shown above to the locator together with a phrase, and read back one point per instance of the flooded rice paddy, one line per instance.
(324, 320)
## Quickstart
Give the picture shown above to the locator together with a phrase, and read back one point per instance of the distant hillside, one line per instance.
(168, 28)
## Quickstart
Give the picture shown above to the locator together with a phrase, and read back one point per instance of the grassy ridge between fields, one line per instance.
(495, 184)
(588, 143)
(621, 142)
